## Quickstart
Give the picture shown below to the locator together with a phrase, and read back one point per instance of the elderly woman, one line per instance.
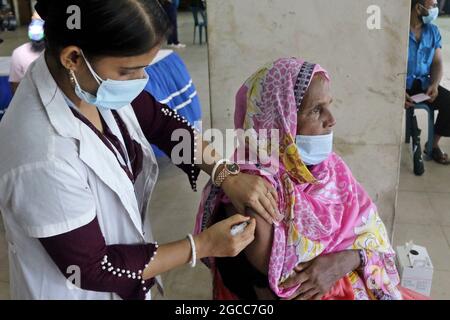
(332, 243)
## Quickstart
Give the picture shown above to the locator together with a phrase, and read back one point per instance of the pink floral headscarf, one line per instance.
(270, 100)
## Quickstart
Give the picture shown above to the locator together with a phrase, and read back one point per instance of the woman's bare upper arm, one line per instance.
(258, 252)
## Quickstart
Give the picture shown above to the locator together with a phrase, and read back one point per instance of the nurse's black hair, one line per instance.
(115, 28)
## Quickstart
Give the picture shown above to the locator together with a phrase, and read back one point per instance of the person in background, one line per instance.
(171, 8)
(426, 70)
(199, 3)
(442, 7)
(27, 53)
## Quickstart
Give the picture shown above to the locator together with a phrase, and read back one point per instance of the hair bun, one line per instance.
(42, 7)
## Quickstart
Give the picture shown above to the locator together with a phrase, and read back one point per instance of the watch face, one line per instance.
(233, 168)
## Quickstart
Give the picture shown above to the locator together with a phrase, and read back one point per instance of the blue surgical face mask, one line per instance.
(111, 94)
(433, 13)
(314, 149)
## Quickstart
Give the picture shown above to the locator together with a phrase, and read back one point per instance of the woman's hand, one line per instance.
(317, 277)
(249, 191)
(217, 241)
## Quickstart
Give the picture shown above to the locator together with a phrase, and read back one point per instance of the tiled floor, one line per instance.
(423, 213)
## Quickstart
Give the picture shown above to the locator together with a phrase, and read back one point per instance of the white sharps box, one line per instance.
(415, 268)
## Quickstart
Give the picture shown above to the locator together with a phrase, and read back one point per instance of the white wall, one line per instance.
(368, 70)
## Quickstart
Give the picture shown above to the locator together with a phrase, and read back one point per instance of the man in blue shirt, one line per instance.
(426, 69)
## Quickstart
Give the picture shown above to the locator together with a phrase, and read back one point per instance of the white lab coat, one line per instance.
(56, 175)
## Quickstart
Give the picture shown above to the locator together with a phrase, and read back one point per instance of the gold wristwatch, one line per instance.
(229, 169)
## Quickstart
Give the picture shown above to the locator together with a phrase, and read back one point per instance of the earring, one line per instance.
(72, 78)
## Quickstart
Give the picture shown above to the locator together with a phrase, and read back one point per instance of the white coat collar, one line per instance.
(53, 100)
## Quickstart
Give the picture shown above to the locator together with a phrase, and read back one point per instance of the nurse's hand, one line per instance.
(218, 242)
(250, 191)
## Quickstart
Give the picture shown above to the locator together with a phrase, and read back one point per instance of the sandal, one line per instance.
(439, 156)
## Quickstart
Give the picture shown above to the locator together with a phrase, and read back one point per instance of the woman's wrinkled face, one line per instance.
(315, 117)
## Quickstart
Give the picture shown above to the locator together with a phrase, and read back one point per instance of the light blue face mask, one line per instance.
(314, 149)
(433, 13)
(111, 94)
(36, 30)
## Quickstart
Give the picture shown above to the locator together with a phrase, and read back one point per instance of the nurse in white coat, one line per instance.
(77, 169)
